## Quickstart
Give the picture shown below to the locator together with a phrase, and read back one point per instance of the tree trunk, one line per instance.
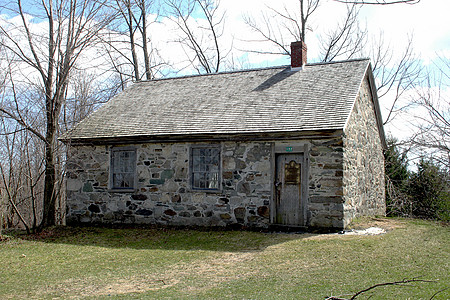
(49, 213)
(148, 73)
(132, 42)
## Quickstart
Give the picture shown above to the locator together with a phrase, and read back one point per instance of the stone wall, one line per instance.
(163, 194)
(364, 192)
(325, 205)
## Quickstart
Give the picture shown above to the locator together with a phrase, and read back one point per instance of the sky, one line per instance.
(425, 23)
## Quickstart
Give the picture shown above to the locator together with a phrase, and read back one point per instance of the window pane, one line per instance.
(122, 180)
(215, 158)
(196, 180)
(214, 168)
(195, 152)
(116, 180)
(202, 164)
(127, 180)
(212, 181)
(202, 181)
(123, 168)
(205, 168)
(196, 163)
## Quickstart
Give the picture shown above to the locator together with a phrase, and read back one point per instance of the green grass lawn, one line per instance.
(160, 263)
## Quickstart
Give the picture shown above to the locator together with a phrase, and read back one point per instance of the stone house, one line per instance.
(298, 145)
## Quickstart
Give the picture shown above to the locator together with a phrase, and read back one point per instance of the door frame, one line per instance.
(286, 148)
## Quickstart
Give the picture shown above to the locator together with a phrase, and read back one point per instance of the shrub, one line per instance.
(429, 188)
(423, 194)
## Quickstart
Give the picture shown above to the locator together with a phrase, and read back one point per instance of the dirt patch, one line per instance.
(224, 267)
(134, 285)
(115, 286)
(216, 269)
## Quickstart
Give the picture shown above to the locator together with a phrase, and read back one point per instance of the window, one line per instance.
(205, 168)
(123, 168)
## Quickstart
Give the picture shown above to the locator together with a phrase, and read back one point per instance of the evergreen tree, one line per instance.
(430, 190)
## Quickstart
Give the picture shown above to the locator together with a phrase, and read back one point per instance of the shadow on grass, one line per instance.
(165, 238)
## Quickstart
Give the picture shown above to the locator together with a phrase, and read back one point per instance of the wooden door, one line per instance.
(288, 187)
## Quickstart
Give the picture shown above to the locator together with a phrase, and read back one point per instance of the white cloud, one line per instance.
(426, 21)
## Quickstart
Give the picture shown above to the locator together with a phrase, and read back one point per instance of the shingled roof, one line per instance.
(269, 100)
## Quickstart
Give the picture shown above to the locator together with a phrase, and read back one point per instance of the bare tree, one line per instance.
(21, 157)
(21, 170)
(395, 75)
(432, 113)
(200, 41)
(126, 8)
(142, 5)
(346, 40)
(378, 2)
(282, 27)
(86, 96)
(294, 22)
(128, 43)
(71, 27)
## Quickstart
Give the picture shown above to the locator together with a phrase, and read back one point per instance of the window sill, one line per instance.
(209, 191)
(132, 190)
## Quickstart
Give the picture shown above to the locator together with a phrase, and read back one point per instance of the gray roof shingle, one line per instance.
(267, 100)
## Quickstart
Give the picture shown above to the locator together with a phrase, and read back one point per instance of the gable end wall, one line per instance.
(364, 192)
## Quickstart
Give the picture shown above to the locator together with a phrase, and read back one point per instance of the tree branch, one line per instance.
(379, 2)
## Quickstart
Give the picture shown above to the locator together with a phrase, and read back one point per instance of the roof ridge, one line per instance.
(217, 73)
(251, 70)
(338, 61)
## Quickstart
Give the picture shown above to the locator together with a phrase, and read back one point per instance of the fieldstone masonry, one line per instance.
(346, 180)
(325, 183)
(164, 195)
(364, 191)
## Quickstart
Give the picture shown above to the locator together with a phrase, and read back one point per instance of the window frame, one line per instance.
(112, 172)
(192, 172)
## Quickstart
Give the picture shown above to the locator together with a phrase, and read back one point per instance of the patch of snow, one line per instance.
(368, 231)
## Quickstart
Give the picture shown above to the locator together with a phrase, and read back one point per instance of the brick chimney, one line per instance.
(298, 54)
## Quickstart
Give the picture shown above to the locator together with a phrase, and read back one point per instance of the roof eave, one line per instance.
(207, 137)
(373, 90)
